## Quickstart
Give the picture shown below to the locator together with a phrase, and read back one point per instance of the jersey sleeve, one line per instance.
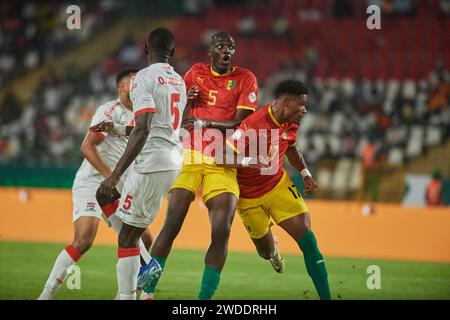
(141, 95)
(292, 136)
(189, 78)
(248, 97)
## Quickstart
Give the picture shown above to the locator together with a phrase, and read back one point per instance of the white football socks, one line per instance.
(127, 272)
(68, 257)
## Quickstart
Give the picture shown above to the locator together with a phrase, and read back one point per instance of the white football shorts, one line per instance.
(142, 196)
(83, 197)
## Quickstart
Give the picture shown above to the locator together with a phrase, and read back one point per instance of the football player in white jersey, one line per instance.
(158, 95)
(101, 152)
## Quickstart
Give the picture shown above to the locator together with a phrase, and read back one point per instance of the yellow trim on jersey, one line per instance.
(293, 145)
(272, 117)
(232, 146)
(246, 108)
(221, 75)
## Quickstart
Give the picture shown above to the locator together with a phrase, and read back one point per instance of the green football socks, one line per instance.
(210, 282)
(315, 264)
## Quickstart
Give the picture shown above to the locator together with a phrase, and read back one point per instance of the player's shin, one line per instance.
(68, 257)
(127, 272)
(116, 224)
(315, 264)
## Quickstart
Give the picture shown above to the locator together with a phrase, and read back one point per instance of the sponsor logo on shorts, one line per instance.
(90, 206)
(125, 212)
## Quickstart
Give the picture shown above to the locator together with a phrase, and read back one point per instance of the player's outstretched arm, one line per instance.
(113, 128)
(239, 161)
(135, 144)
(296, 159)
(90, 152)
(241, 114)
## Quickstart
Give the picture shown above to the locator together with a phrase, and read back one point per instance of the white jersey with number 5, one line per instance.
(160, 90)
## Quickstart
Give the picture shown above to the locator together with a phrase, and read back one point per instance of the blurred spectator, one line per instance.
(23, 24)
(194, 7)
(280, 27)
(342, 8)
(388, 7)
(52, 124)
(370, 173)
(404, 7)
(10, 109)
(311, 14)
(368, 153)
(130, 54)
(434, 190)
(440, 97)
(348, 146)
(247, 26)
(444, 7)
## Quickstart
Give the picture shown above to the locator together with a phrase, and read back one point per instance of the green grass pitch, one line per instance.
(24, 268)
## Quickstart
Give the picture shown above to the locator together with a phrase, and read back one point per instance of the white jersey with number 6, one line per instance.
(160, 90)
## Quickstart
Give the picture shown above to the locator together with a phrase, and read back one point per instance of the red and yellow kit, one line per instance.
(219, 98)
(220, 95)
(251, 182)
(270, 196)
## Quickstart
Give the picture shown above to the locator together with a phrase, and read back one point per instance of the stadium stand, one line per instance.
(23, 24)
(391, 86)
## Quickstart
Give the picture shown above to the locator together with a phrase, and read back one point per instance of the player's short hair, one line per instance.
(124, 73)
(290, 87)
(161, 41)
(216, 36)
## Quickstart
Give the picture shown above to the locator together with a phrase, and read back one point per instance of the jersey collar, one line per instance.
(216, 74)
(273, 118)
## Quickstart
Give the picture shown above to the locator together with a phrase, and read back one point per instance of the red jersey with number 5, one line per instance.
(220, 95)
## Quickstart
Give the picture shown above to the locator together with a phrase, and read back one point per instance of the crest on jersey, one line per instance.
(252, 97)
(231, 84)
(284, 135)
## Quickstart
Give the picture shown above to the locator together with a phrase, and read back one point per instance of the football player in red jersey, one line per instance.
(269, 194)
(221, 95)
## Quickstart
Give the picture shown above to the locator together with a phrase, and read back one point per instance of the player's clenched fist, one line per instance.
(108, 186)
(310, 185)
(103, 126)
(192, 94)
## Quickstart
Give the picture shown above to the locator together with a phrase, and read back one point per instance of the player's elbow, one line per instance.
(85, 149)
